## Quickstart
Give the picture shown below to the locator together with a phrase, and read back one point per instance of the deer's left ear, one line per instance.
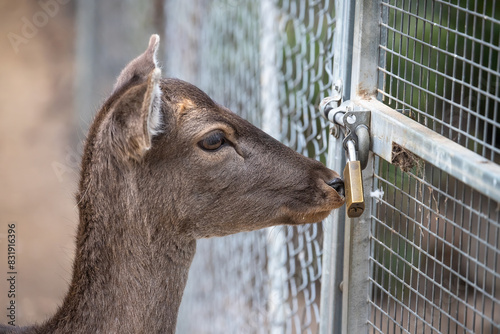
(140, 68)
(136, 115)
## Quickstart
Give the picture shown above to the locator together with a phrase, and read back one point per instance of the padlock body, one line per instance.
(354, 197)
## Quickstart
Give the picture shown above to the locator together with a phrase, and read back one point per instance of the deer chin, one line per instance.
(298, 218)
(313, 217)
(295, 216)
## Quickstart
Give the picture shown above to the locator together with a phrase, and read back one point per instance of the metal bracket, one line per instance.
(354, 121)
(331, 102)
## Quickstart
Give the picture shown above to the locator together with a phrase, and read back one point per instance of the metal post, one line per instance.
(333, 249)
(271, 124)
(333, 254)
(364, 78)
(365, 53)
(355, 310)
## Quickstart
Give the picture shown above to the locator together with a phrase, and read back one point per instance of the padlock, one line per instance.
(353, 183)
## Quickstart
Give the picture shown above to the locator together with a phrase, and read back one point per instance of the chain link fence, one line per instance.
(433, 240)
(270, 62)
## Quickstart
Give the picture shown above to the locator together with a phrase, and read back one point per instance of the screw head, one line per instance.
(354, 212)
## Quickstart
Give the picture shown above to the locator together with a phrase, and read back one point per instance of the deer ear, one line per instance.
(139, 68)
(136, 115)
(136, 119)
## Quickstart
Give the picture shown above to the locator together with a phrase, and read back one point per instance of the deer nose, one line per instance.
(338, 185)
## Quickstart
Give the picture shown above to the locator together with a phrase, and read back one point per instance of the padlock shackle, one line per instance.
(351, 150)
(363, 135)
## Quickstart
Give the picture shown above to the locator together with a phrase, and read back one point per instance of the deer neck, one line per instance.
(129, 271)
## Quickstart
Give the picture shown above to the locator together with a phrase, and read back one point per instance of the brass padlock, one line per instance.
(354, 197)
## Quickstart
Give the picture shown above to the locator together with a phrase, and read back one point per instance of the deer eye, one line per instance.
(213, 141)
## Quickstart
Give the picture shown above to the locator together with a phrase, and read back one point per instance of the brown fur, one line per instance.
(148, 191)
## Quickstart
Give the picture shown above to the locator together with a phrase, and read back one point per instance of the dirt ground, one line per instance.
(38, 139)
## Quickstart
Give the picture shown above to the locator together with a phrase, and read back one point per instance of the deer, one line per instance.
(163, 166)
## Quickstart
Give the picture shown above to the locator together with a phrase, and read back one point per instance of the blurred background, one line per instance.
(43, 123)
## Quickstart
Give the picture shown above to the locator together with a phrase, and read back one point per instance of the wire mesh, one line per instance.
(263, 281)
(440, 66)
(435, 254)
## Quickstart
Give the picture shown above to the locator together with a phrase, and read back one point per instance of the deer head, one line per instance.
(190, 162)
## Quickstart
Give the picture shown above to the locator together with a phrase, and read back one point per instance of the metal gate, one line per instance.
(425, 255)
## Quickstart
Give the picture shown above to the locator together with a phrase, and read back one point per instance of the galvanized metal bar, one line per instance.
(334, 226)
(343, 47)
(366, 36)
(356, 308)
(271, 124)
(366, 39)
(389, 126)
(333, 253)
